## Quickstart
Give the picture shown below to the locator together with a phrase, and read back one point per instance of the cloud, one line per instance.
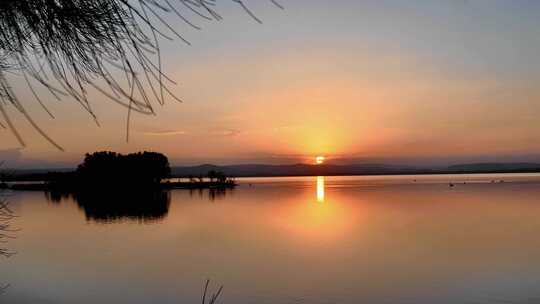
(164, 133)
(226, 132)
(213, 132)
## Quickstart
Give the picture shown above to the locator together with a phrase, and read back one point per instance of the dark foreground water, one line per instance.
(286, 240)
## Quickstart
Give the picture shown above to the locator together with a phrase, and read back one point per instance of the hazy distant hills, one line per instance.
(255, 170)
(359, 169)
(291, 170)
(499, 167)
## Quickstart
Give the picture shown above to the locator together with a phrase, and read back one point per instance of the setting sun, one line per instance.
(334, 153)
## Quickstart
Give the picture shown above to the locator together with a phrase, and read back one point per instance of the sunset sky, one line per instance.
(355, 81)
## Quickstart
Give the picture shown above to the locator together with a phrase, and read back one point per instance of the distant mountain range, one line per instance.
(496, 167)
(261, 170)
(255, 170)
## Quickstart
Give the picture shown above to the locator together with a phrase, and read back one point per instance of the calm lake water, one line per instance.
(406, 239)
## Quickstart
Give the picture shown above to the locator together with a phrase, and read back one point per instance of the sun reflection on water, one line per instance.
(320, 189)
(319, 216)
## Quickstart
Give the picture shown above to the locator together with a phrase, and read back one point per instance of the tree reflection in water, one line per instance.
(144, 206)
(5, 233)
(212, 194)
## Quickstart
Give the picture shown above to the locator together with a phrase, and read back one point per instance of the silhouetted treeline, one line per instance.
(110, 186)
(115, 172)
(113, 169)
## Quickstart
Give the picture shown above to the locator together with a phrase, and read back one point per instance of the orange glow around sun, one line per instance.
(319, 160)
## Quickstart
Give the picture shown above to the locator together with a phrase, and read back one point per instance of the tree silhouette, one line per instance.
(70, 47)
(212, 175)
(110, 169)
(221, 177)
(217, 176)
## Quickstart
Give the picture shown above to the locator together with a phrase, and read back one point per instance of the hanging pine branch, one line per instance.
(71, 47)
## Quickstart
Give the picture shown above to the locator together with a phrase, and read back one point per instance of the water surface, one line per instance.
(402, 239)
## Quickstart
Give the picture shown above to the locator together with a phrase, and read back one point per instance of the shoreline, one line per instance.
(49, 187)
(42, 177)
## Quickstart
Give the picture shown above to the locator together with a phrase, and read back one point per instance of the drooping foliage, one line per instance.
(70, 47)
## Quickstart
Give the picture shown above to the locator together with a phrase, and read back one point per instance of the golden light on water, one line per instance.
(319, 160)
(313, 218)
(320, 189)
